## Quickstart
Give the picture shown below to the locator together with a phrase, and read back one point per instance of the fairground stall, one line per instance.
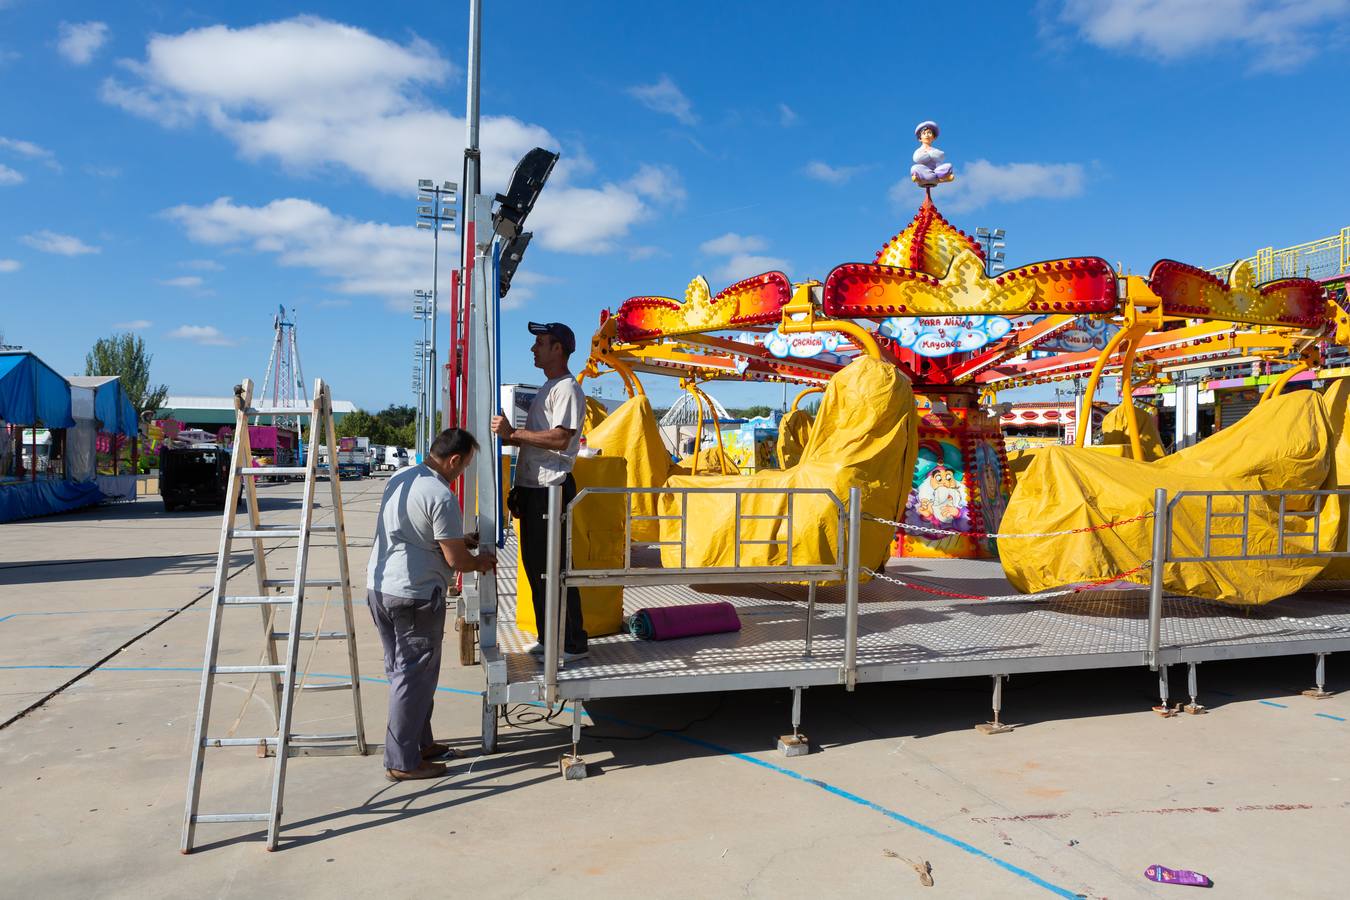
(892, 535)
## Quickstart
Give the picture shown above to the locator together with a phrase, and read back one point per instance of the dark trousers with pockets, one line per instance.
(532, 506)
(411, 631)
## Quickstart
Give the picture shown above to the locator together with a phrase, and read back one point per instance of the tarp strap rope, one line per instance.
(947, 532)
(1043, 595)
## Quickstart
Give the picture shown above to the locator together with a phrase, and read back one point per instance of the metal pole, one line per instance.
(434, 371)
(851, 588)
(470, 187)
(1155, 587)
(552, 594)
(810, 614)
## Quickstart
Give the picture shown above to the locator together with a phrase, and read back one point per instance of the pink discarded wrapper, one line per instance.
(1164, 875)
(664, 623)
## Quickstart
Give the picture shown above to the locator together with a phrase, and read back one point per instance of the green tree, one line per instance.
(124, 354)
(751, 412)
(358, 423)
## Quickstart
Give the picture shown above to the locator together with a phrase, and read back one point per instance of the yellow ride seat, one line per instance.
(1283, 444)
(866, 433)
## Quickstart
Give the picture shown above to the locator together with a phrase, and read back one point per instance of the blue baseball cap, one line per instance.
(558, 331)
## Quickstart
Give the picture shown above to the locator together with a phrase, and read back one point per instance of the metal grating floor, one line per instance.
(905, 633)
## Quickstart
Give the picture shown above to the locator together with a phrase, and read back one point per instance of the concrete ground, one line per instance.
(687, 797)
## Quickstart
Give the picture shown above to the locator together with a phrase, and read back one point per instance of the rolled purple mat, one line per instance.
(664, 623)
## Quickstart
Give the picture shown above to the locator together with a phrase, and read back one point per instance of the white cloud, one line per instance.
(787, 116)
(9, 176)
(182, 281)
(79, 42)
(134, 325)
(1281, 34)
(743, 265)
(743, 257)
(665, 97)
(829, 174)
(982, 182)
(202, 265)
(333, 303)
(10, 265)
(271, 88)
(660, 184)
(30, 150)
(208, 335)
(59, 244)
(103, 171)
(645, 252)
(731, 243)
(525, 286)
(369, 258)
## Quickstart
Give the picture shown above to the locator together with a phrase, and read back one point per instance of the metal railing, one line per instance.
(1268, 506)
(846, 566)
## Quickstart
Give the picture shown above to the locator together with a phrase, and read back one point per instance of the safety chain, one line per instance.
(1043, 595)
(946, 532)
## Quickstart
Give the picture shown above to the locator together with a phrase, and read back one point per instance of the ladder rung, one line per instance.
(351, 736)
(239, 742)
(325, 529)
(309, 582)
(336, 686)
(264, 532)
(218, 818)
(256, 601)
(273, 470)
(310, 636)
(247, 670)
(280, 411)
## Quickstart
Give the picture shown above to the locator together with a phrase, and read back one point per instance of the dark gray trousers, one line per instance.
(411, 631)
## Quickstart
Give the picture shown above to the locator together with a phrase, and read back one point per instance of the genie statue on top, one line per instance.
(930, 164)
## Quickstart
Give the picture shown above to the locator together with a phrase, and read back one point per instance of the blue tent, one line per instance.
(112, 406)
(31, 392)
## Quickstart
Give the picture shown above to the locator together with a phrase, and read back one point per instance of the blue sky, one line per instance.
(181, 169)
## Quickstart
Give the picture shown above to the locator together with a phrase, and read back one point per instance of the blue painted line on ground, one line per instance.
(1329, 716)
(1273, 703)
(708, 745)
(10, 616)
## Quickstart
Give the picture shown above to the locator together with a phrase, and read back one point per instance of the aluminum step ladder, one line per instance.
(282, 646)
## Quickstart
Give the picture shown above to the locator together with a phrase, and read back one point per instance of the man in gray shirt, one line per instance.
(419, 545)
(548, 444)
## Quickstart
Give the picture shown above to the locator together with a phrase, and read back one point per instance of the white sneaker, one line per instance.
(535, 649)
(569, 656)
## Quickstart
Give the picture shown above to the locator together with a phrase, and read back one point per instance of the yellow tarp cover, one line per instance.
(595, 414)
(1116, 430)
(1336, 397)
(1284, 444)
(865, 434)
(793, 432)
(710, 462)
(597, 543)
(631, 433)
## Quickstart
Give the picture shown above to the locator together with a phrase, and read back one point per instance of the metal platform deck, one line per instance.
(908, 634)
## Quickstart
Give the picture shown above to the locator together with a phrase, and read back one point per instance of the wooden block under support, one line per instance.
(1318, 693)
(794, 745)
(993, 728)
(573, 768)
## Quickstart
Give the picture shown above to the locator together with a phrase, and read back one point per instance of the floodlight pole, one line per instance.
(471, 185)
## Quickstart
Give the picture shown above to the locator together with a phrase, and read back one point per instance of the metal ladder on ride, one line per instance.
(282, 646)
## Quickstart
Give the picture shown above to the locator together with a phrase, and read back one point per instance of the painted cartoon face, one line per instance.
(926, 136)
(942, 477)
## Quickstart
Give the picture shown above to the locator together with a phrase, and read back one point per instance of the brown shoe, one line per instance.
(425, 770)
(437, 750)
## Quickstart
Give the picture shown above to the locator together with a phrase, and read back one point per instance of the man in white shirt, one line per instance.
(548, 447)
(419, 545)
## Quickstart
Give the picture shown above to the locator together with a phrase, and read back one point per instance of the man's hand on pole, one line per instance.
(501, 427)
